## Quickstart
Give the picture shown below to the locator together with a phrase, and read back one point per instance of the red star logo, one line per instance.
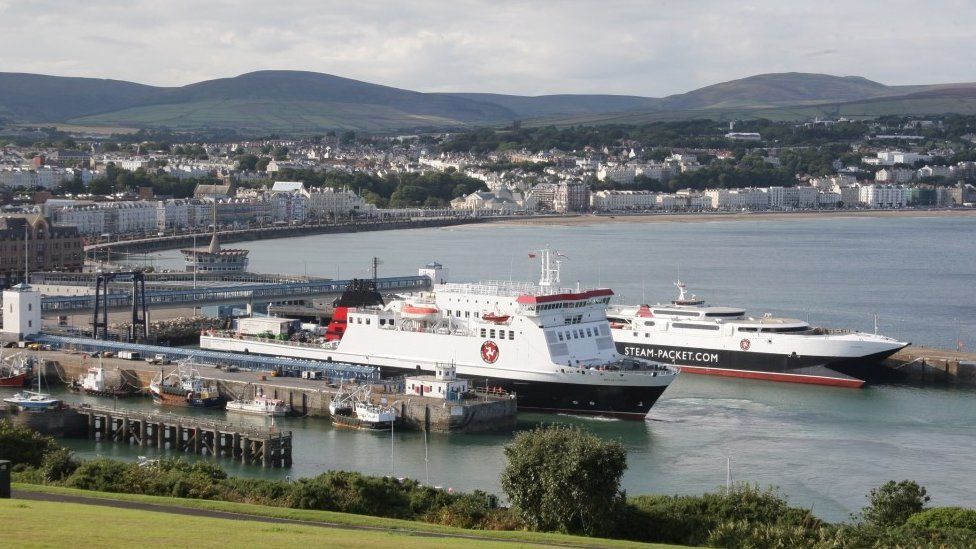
(489, 352)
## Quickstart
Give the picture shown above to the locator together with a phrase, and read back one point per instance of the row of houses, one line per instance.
(42, 177)
(285, 202)
(785, 198)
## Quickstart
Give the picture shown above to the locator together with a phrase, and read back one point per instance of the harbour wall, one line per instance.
(920, 365)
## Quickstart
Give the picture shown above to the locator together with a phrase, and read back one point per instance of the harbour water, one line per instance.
(824, 447)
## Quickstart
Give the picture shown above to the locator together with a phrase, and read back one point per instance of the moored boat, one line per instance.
(184, 387)
(97, 382)
(554, 351)
(723, 341)
(259, 405)
(365, 416)
(34, 401)
(14, 372)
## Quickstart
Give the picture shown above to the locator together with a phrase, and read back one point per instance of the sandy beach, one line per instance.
(592, 219)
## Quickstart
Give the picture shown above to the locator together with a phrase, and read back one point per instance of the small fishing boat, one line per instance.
(184, 387)
(96, 382)
(366, 416)
(259, 405)
(13, 372)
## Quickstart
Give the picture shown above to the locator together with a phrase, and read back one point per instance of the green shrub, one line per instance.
(23, 445)
(939, 518)
(101, 474)
(466, 511)
(562, 479)
(744, 534)
(905, 536)
(58, 465)
(689, 519)
(893, 502)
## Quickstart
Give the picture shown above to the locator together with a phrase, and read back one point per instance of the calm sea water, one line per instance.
(824, 447)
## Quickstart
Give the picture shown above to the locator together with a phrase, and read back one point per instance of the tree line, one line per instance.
(557, 479)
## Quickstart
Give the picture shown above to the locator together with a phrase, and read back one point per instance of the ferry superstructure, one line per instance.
(550, 346)
(724, 341)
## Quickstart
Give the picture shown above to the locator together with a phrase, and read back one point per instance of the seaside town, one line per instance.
(102, 189)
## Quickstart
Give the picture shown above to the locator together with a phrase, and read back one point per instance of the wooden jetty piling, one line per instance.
(201, 436)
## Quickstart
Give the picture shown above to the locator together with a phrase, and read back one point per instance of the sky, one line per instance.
(649, 48)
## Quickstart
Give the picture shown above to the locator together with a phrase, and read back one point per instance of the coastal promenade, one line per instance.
(143, 244)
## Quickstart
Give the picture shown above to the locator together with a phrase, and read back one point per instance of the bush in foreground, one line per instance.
(23, 446)
(565, 480)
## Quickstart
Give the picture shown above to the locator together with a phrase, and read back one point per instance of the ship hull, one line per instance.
(167, 399)
(350, 422)
(626, 402)
(837, 371)
(621, 401)
(19, 380)
(110, 393)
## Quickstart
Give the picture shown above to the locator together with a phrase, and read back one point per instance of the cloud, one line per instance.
(562, 46)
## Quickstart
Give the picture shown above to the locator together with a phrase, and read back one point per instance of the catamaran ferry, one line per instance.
(550, 346)
(724, 341)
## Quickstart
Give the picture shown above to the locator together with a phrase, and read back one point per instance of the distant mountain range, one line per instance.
(306, 102)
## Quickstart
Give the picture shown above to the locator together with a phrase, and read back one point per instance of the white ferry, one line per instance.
(724, 341)
(550, 346)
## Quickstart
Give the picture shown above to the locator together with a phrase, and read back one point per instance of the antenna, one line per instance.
(375, 267)
(26, 249)
(876, 324)
(728, 473)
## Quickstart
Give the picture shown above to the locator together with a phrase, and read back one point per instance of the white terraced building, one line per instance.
(884, 196)
(606, 200)
(737, 199)
(326, 202)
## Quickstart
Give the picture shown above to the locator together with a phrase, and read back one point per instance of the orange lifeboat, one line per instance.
(495, 317)
(419, 312)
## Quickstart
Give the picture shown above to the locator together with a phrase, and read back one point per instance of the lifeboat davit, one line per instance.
(495, 317)
(419, 312)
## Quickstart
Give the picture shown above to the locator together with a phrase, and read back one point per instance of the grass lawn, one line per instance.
(53, 524)
(405, 530)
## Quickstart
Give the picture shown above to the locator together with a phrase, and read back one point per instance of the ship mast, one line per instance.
(550, 269)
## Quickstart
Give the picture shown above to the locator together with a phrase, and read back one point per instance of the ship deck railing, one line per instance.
(504, 288)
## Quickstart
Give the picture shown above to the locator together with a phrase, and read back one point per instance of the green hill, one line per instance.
(307, 102)
(41, 98)
(565, 104)
(777, 89)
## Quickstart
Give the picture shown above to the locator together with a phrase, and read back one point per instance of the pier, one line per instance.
(307, 397)
(201, 436)
(926, 364)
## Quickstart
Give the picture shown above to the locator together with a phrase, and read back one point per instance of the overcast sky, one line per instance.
(653, 48)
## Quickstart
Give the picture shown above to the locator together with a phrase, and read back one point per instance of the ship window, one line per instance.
(745, 329)
(511, 334)
(694, 326)
(367, 321)
(483, 332)
(467, 314)
(648, 323)
(491, 333)
(589, 333)
(646, 335)
(560, 336)
(501, 334)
